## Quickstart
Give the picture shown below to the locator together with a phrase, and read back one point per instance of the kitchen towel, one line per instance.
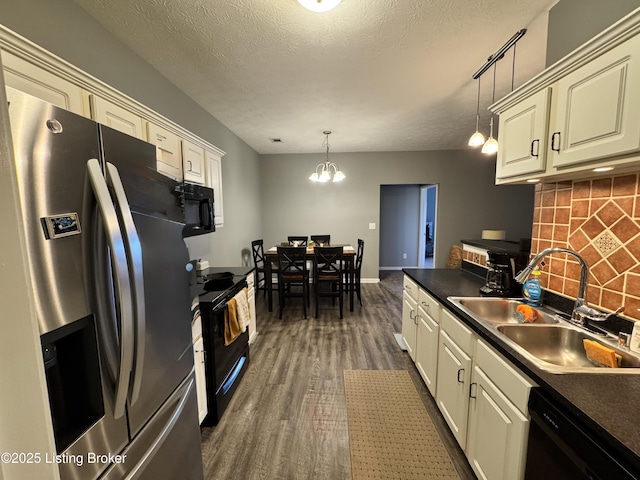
(231, 326)
(242, 303)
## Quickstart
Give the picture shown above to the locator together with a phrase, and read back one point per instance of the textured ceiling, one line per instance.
(383, 75)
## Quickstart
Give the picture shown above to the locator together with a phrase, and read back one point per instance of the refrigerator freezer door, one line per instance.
(168, 446)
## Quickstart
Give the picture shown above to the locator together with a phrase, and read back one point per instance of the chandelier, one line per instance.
(322, 172)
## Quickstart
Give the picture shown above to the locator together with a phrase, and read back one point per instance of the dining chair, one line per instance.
(324, 240)
(327, 268)
(301, 241)
(355, 270)
(257, 248)
(293, 272)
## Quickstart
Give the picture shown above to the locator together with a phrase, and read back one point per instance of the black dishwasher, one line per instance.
(560, 449)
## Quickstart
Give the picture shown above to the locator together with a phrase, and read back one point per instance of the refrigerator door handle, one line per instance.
(121, 282)
(137, 471)
(134, 258)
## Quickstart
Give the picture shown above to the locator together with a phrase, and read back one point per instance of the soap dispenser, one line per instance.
(532, 288)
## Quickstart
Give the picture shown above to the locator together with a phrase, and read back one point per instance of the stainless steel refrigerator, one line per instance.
(108, 266)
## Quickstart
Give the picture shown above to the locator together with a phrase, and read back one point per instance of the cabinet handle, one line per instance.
(461, 371)
(425, 304)
(471, 394)
(414, 317)
(534, 142)
(189, 162)
(553, 142)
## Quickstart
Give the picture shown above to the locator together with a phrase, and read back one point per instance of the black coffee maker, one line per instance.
(500, 275)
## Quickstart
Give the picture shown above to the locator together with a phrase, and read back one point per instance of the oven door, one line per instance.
(560, 449)
(224, 365)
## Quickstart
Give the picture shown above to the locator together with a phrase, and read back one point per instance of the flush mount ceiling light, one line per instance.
(319, 5)
(322, 172)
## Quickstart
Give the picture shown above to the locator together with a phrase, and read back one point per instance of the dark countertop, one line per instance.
(605, 404)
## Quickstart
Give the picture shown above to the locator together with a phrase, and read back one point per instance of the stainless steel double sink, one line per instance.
(550, 342)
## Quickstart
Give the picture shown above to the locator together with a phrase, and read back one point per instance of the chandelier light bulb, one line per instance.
(319, 5)
(338, 176)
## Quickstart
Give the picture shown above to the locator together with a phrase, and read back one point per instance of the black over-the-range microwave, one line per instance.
(199, 209)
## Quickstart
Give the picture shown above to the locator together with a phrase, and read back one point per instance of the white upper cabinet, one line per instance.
(193, 163)
(598, 109)
(116, 117)
(168, 151)
(213, 170)
(580, 113)
(523, 136)
(36, 81)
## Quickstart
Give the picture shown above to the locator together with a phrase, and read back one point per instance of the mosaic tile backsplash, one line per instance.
(600, 219)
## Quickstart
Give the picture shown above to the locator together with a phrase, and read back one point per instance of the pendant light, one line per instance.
(319, 5)
(477, 138)
(491, 145)
(322, 173)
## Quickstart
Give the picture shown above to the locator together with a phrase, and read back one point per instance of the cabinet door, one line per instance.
(409, 324)
(427, 349)
(168, 153)
(214, 180)
(523, 136)
(452, 390)
(598, 109)
(498, 431)
(201, 379)
(193, 163)
(36, 81)
(116, 117)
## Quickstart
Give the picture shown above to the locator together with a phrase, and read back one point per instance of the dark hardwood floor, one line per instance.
(288, 418)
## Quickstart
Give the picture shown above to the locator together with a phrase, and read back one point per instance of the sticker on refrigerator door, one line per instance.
(64, 225)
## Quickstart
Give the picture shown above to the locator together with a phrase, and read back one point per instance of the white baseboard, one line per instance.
(369, 280)
(396, 268)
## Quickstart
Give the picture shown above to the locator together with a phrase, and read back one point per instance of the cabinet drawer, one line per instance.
(429, 305)
(457, 332)
(411, 288)
(513, 383)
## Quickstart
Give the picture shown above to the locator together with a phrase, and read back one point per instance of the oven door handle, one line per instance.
(233, 375)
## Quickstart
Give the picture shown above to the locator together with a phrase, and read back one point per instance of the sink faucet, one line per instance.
(580, 307)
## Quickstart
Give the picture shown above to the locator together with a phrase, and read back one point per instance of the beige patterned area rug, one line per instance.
(390, 433)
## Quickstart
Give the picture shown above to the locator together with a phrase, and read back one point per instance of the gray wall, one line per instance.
(399, 225)
(63, 28)
(573, 22)
(468, 199)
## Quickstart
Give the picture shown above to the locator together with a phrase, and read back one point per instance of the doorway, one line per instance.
(427, 243)
(406, 213)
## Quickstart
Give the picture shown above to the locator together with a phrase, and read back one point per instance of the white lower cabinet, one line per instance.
(410, 316)
(498, 418)
(427, 339)
(453, 380)
(199, 363)
(482, 397)
(251, 293)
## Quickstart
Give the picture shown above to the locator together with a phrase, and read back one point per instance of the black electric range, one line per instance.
(224, 364)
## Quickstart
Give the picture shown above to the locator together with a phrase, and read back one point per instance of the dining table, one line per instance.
(348, 256)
